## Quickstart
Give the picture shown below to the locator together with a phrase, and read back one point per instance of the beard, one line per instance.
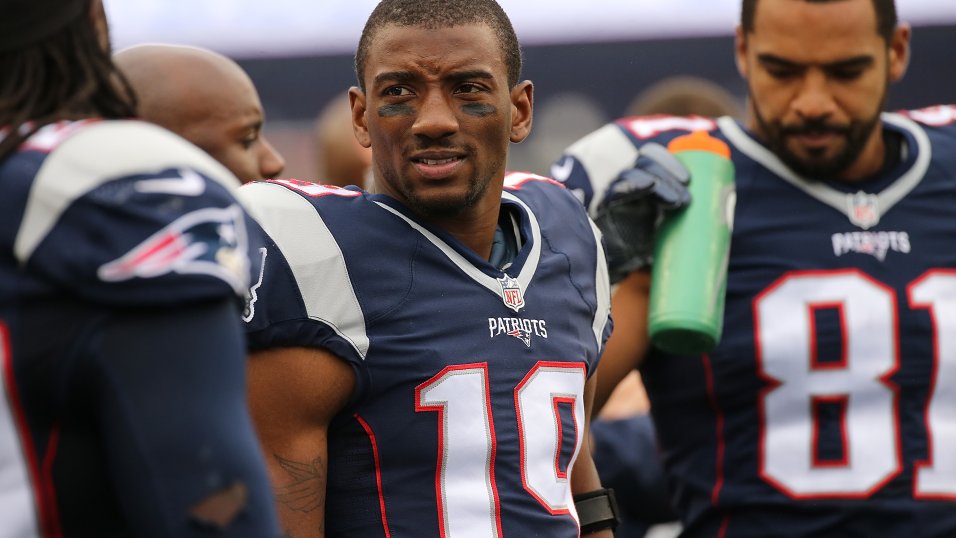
(815, 163)
(443, 205)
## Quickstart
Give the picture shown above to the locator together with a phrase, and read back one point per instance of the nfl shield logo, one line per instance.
(863, 209)
(511, 293)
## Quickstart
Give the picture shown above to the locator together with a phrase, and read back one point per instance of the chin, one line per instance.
(441, 206)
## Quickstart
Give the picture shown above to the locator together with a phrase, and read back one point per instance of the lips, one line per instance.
(437, 166)
(816, 138)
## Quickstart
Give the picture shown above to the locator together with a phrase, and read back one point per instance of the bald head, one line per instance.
(207, 99)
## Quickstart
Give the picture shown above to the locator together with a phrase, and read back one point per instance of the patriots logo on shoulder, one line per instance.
(210, 241)
(511, 293)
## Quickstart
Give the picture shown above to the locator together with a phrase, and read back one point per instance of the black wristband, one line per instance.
(597, 510)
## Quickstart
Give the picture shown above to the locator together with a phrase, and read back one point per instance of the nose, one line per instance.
(814, 99)
(436, 118)
(271, 162)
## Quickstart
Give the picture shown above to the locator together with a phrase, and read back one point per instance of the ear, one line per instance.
(899, 52)
(522, 105)
(359, 118)
(740, 52)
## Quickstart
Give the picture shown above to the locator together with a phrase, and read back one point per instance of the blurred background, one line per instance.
(589, 61)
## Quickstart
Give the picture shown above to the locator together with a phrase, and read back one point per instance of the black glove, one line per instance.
(634, 207)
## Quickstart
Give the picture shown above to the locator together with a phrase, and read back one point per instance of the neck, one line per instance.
(474, 228)
(869, 162)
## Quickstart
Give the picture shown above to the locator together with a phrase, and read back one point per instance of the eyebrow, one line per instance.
(404, 77)
(393, 76)
(473, 74)
(849, 63)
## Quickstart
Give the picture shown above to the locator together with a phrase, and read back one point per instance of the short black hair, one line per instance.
(886, 18)
(434, 14)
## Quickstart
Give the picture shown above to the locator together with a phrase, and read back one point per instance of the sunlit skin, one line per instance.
(207, 99)
(818, 75)
(438, 114)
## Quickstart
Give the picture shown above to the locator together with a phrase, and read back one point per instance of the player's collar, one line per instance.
(504, 247)
(847, 203)
(523, 266)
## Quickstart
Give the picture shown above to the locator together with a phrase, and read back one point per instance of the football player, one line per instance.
(125, 257)
(207, 99)
(826, 409)
(429, 371)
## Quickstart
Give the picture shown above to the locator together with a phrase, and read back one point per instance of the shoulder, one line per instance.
(291, 193)
(939, 116)
(939, 122)
(930, 135)
(122, 210)
(88, 155)
(526, 182)
(591, 164)
(102, 150)
(305, 294)
(625, 135)
(544, 196)
(284, 208)
(558, 213)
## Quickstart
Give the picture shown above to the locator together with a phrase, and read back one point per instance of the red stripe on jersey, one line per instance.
(378, 471)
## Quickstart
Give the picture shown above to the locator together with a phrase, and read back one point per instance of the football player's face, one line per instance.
(817, 74)
(230, 130)
(438, 115)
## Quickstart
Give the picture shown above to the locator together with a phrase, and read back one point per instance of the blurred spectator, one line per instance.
(686, 95)
(340, 159)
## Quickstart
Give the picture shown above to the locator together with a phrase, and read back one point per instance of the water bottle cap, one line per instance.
(699, 141)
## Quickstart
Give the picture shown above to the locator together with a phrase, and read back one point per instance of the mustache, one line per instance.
(814, 127)
(425, 144)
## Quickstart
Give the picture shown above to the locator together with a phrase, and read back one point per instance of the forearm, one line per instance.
(629, 342)
(299, 483)
(585, 481)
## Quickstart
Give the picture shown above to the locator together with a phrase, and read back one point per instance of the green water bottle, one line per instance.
(689, 276)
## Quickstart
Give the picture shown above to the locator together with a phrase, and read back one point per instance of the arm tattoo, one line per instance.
(307, 491)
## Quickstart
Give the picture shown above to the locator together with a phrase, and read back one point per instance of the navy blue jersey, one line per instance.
(108, 231)
(468, 411)
(828, 408)
(625, 454)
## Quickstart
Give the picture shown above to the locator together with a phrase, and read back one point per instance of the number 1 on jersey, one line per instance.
(465, 486)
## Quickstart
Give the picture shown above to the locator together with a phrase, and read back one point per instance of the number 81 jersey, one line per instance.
(829, 407)
(468, 412)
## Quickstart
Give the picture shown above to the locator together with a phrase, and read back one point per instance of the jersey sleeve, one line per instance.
(128, 214)
(182, 452)
(590, 165)
(302, 294)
